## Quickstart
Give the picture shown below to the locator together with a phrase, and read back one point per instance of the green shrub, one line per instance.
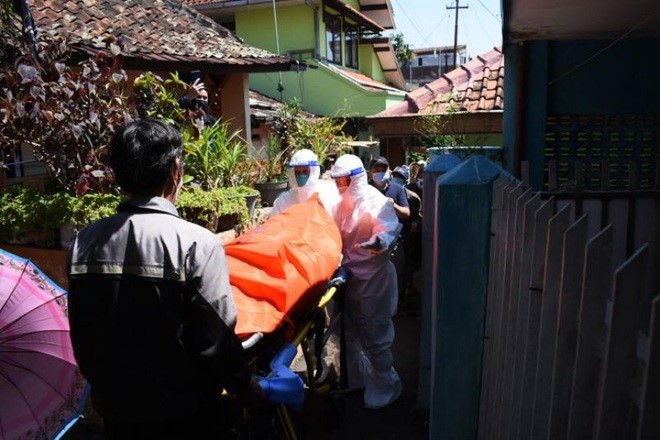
(204, 207)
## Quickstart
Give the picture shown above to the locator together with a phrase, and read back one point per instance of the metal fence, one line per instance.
(572, 332)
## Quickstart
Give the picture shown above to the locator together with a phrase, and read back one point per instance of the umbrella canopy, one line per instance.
(42, 390)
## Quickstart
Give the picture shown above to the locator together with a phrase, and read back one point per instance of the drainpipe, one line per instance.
(317, 38)
(521, 108)
(29, 30)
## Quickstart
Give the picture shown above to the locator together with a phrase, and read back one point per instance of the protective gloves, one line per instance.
(283, 385)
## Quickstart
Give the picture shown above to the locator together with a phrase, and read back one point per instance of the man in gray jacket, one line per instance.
(151, 312)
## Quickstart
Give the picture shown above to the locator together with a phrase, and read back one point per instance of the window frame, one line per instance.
(336, 34)
(352, 45)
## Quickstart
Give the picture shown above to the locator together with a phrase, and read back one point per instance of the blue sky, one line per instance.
(426, 23)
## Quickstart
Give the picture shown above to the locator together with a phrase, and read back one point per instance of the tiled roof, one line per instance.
(476, 86)
(157, 31)
(264, 107)
(364, 81)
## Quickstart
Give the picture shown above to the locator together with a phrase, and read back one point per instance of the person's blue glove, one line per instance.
(283, 385)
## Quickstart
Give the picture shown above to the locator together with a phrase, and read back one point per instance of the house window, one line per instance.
(352, 40)
(333, 38)
(420, 61)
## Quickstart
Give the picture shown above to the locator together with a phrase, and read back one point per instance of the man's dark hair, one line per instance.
(142, 155)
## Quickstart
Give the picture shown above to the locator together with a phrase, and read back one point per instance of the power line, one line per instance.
(467, 34)
(412, 23)
(434, 29)
(481, 25)
(495, 16)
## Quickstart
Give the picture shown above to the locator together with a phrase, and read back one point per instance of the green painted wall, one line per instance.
(295, 26)
(320, 90)
(323, 92)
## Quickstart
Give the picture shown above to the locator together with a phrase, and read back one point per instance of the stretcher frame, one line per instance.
(310, 322)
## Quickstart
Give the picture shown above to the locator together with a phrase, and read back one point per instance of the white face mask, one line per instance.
(381, 178)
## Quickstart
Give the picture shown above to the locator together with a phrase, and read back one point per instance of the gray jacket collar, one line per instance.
(139, 203)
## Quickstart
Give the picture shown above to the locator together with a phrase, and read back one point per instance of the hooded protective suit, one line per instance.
(369, 227)
(327, 191)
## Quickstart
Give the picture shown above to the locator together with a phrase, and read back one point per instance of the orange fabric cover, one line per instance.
(274, 266)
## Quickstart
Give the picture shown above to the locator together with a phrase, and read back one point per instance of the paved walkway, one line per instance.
(401, 420)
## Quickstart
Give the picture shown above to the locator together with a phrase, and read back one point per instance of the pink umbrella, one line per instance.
(42, 390)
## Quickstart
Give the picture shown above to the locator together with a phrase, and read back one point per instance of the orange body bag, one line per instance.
(281, 267)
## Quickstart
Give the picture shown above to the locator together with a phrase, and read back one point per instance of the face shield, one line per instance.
(304, 169)
(347, 171)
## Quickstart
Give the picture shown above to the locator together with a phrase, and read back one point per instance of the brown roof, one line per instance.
(354, 14)
(266, 108)
(339, 5)
(476, 86)
(160, 33)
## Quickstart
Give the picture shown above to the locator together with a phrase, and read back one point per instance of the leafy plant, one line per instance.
(402, 50)
(17, 212)
(439, 129)
(214, 155)
(156, 98)
(204, 207)
(66, 114)
(323, 135)
(198, 206)
(92, 207)
(271, 166)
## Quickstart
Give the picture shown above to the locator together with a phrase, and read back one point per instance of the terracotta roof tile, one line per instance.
(476, 86)
(148, 30)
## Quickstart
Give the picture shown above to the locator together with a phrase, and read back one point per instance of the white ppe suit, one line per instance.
(365, 216)
(327, 191)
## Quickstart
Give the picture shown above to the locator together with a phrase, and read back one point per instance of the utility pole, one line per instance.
(457, 7)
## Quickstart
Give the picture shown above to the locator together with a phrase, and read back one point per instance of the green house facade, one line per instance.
(347, 68)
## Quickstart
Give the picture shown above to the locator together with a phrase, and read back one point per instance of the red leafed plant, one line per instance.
(64, 112)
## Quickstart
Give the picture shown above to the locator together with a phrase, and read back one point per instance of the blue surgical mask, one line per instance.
(381, 178)
(398, 180)
(301, 179)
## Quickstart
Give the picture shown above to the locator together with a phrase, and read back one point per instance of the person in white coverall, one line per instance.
(368, 226)
(304, 172)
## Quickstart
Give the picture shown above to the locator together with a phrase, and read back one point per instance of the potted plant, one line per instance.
(16, 214)
(92, 207)
(272, 176)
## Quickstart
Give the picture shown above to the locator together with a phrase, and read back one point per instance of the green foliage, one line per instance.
(402, 50)
(92, 207)
(156, 98)
(271, 166)
(323, 135)
(17, 212)
(213, 156)
(23, 210)
(439, 129)
(204, 207)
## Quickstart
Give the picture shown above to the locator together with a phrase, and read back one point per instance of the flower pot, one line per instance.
(251, 201)
(227, 222)
(270, 190)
